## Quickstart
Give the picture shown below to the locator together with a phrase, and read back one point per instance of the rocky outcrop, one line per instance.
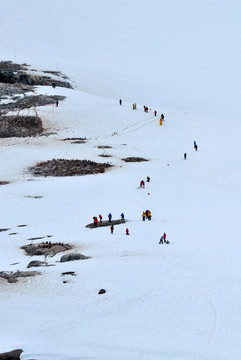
(63, 167)
(17, 81)
(11, 73)
(134, 159)
(36, 263)
(46, 248)
(20, 126)
(12, 277)
(28, 102)
(106, 223)
(73, 256)
(11, 355)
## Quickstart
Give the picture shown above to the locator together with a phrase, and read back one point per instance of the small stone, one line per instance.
(102, 291)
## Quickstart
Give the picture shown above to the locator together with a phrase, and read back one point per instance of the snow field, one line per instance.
(178, 301)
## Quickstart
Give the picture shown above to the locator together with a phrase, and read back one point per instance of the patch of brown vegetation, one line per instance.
(63, 167)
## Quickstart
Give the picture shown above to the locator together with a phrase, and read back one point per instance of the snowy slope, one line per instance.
(176, 301)
(177, 53)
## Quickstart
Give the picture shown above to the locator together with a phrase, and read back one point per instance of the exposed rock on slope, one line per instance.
(63, 167)
(20, 126)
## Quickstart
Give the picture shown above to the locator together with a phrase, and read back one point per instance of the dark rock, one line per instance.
(72, 257)
(102, 291)
(36, 263)
(4, 182)
(69, 273)
(11, 355)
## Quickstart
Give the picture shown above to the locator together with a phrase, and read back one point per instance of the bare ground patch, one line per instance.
(20, 126)
(63, 167)
(28, 102)
(104, 147)
(4, 183)
(12, 73)
(46, 248)
(12, 277)
(17, 80)
(105, 156)
(134, 159)
(76, 140)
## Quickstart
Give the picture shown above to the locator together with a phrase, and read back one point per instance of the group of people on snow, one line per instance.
(146, 109)
(95, 219)
(146, 215)
(112, 230)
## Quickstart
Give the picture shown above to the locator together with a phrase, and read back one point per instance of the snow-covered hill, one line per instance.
(176, 301)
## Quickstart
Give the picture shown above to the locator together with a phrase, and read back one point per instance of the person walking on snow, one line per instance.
(127, 231)
(143, 216)
(148, 178)
(120, 102)
(100, 217)
(185, 156)
(142, 184)
(110, 217)
(111, 229)
(195, 147)
(149, 215)
(155, 112)
(95, 221)
(161, 240)
(122, 216)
